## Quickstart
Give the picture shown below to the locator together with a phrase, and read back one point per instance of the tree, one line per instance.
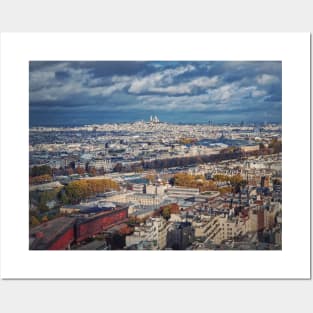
(42, 207)
(80, 170)
(92, 171)
(126, 230)
(34, 221)
(40, 170)
(81, 189)
(69, 171)
(276, 145)
(63, 198)
(166, 212)
(40, 179)
(118, 167)
(133, 221)
(173, 208)
(151, 177)
(193, 181)
(45, 219)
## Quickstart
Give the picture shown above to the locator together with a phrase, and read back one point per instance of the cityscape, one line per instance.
(155, 155)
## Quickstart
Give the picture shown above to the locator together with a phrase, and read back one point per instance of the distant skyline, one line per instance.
(73, 92)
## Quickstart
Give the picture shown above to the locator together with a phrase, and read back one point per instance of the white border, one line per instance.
(18, 262)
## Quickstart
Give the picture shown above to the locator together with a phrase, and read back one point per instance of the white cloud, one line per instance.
(105, 90)
(183, 88)
(266, 79)
(157, 80)
(199, 93)
(258, 93)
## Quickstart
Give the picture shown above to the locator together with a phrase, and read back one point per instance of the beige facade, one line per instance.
(153, 230)
(65, 210)
(220, 228)
(155, 189)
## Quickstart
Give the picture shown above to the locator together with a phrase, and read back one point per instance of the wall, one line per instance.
(63, 242)
(88, 228)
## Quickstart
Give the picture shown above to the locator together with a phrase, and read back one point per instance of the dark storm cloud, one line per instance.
(234, 88)
(62, 75)
(111, 68)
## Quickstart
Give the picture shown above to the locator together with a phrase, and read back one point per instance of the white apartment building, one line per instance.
(138, 188)
(101, 164)
(140, 199)
(153, 230)
(220, 228)
(145, 199)
(155, 189)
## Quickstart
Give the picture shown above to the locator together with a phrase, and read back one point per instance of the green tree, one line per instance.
(63, 198)
(42, 207)
(40, 170)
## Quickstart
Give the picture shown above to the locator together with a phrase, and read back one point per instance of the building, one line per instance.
(145, 199)
(88, 226)
(250, 148)
(138, 188)
(154, 119)
(101, 164)
(154, 230)
(155, 189)
(60, 233)
(120, 197)
(256, 219)
(216, 229)
(57, 234)
(180, 235)
(69, 209)
(182, 192)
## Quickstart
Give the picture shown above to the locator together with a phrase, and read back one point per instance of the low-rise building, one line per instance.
(180, 235)
(182, 192)
(154, 230)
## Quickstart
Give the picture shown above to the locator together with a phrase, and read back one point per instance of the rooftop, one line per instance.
(45, 233)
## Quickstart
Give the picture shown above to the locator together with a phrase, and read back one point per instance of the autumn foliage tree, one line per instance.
(92, 171)
(194, 181)
(126, 230)
(232, 179)
(275, 145)
(80, 170)
(34, 221)
(40, 179)
(133, 221)
(81, 189)
(44, 219)
(186, 141)
(151, 177)
(166, 212)
(69, 171)
(173, 207)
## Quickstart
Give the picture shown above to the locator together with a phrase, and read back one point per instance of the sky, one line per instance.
(73, 92)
